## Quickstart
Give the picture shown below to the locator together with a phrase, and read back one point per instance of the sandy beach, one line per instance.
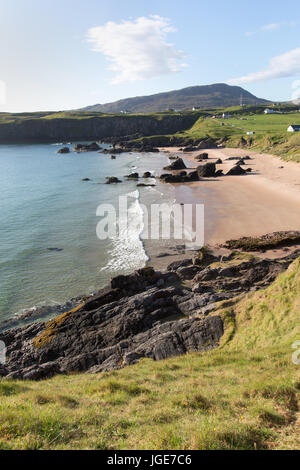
(263, 201)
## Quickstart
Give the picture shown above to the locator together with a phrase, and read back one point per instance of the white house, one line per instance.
(226, 116)
(269, 111)
(293, 128)
(250, 133)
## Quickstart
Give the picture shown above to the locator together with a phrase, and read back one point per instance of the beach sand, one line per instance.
(263, 201)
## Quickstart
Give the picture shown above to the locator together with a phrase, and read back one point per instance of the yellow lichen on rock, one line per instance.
(48, 333)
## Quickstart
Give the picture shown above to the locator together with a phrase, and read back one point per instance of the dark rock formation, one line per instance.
(144, 314)
(112, 179)
(202, 156)
(93, 147)
(236, 170)
(219, 161)
(147, 174)
(133, 176)
(182, 177)
(207, 171)
(86, 179)
(64, 150)
(177, 164)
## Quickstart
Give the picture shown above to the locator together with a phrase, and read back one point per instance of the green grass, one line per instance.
(243, 395)
(270, 133)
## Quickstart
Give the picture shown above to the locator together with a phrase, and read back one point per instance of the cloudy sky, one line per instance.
(65, 54)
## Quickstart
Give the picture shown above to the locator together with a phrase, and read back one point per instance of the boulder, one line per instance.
(177, 164)
(133, 176)
(147, 174)
(202, 156)
(64, 150)
(112, 179)
(207, 171)
(86, 147)
(236, 170)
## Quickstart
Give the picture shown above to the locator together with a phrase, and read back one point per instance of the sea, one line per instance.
(49, 248)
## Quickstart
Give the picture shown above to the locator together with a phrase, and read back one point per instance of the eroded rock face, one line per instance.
(144, 314)
(109, 332)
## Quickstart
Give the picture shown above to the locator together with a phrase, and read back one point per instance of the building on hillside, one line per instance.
(250, 133)
(269, 111)
(226, 116)
(293, 128)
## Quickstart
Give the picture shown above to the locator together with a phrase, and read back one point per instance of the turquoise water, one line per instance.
(44, 204)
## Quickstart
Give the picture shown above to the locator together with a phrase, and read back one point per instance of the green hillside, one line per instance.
(206, 96)
(244, 395)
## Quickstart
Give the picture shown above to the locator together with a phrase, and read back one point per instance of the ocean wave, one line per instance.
(128, 250)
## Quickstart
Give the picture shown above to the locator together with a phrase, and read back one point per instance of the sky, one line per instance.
(67, 54)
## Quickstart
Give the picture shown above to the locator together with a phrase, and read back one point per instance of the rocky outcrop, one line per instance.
(112, 180)
(207, 171)
(133, 176)
(236, 170)
(177, 164)
(93, 147)
(202, 156)
(182, 177)
(64, 150)
(144, 314)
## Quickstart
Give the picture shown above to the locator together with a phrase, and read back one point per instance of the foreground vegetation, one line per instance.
(244, 395)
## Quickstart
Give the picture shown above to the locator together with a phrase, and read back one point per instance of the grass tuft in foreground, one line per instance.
(243, 395)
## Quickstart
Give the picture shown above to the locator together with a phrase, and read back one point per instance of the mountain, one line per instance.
(209, 96)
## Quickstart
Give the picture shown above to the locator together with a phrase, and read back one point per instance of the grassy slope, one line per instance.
(270, 133)
(243, 395)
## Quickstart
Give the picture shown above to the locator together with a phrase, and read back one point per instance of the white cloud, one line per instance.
(137, 49)
(271, 27)
(284, 65)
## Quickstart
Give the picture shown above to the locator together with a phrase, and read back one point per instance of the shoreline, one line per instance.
(235, 206)
(264, 201)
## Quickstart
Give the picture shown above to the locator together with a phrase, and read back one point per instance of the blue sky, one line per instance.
(65, 54)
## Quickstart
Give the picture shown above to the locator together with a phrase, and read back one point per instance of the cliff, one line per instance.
(72, 126)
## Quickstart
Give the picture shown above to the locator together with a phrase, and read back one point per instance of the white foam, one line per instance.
(128, 251)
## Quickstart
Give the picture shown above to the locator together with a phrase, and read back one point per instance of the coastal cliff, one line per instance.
(71, 126)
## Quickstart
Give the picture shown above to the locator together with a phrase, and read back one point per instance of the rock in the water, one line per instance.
(86, 147)
(147, 174)
(112, 179)
(133, 176)
(64, 150)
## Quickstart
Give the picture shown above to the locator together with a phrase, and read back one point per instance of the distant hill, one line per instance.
(209, 96)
